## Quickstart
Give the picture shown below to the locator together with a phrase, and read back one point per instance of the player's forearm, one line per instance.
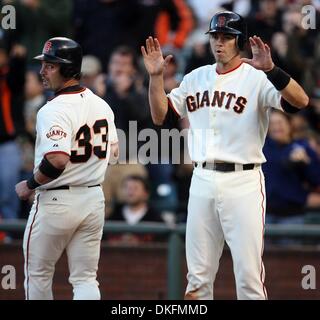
(295, 95)
(157, 99)
(50, 168)
(290, 90)
(41, 178)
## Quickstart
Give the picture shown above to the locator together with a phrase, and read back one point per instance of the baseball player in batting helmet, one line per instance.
(228, 105)
(229, 23)
(75, 133)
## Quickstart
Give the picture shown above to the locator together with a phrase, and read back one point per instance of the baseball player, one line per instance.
(75, 136)
(228, 105)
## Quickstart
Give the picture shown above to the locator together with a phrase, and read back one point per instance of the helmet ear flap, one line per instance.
(240, 41)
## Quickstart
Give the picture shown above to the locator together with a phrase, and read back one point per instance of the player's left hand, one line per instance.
(23, 191)
(261, 56)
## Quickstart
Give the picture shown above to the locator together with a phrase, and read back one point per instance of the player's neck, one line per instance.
(229, 66)
(68, 83)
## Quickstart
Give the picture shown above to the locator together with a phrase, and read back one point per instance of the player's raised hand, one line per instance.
(153, 58)
(261, 56)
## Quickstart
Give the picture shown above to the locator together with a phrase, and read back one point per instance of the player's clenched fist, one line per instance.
(23, 191)
(153, 58)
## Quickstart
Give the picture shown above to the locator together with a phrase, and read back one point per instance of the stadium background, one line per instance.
(135, 266)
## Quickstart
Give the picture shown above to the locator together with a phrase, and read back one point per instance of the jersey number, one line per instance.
(84, 137)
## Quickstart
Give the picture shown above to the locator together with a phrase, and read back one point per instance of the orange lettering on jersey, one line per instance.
(240, 104)
(191, 104)
(56, 133)
(218, 98)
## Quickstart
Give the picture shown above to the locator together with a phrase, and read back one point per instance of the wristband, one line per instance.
(49, 170)
(32, 183)
(278, 78)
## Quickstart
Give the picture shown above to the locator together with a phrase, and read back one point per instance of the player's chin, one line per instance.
(45, 84)
(220, 57)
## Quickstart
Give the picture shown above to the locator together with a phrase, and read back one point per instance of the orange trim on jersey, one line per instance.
(6, 108)
(71, 92)
(229, 70)
(170, 104)
(52, 152)
(263, 230)
(28, 248)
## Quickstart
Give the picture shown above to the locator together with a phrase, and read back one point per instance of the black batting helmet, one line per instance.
(232, 23)
(65, 52)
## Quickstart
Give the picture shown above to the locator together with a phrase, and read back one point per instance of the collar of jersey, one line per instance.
(222, 73)
(69, 90)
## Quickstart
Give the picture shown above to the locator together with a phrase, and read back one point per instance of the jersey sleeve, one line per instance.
(269, 96)
(177, 99)
(54, 130)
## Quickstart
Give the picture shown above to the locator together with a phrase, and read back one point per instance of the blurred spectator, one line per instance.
(266, 21)
(100, 26)
(12, 77)
(35, 99)
(162, 174)
(112, 185)
(292, 173)
(286, 55)
(90, 69)
(299, 127)
(170, 75)
(123, 90)
(173, 23)
(301, 43)
(103, 25)
(39, 20)
(200, 53)
(313, 112)
(314, 141)
(135, 209)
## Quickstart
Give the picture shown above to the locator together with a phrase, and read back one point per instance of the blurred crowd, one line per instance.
(111, 33)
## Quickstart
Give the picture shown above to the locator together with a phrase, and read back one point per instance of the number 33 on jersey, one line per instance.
(80, 124)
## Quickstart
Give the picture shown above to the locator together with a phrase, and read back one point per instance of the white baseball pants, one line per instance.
(226, 206)
(59, 220)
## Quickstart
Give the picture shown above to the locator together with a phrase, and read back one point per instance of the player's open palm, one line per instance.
(261, 56)
(153, 58)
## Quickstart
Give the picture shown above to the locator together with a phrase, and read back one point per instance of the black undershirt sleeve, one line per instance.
(171, 118)
(287, 107)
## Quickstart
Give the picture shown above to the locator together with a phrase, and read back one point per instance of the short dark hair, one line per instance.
(140, 179)
(127, 51)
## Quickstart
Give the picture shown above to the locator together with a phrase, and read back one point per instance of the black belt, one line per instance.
(223, 166)
(68, 187)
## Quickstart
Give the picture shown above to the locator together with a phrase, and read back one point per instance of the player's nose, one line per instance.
(42, 70)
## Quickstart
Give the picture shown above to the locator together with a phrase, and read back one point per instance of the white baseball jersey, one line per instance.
(228, 113)
(81, 125)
